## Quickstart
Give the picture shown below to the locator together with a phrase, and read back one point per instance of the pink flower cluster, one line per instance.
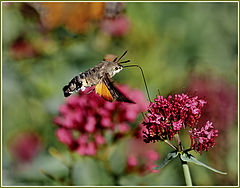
(168, 115)
(85, 118)
(203, 139)
(141, 157)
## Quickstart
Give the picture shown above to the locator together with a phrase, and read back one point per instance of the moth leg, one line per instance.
(91, 91)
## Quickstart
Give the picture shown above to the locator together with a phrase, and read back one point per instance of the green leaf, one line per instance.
(169, 157)
(189, 158)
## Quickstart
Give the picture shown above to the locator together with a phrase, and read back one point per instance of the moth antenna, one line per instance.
(121, 56)
(124, 61)
(145, 83)
(115, 59)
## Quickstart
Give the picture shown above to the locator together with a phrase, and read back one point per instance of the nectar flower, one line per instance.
(85, 118)
(166, 116)
(203, 139)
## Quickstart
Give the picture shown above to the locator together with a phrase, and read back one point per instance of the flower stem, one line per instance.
(178, 141)
(187, 175)
(170, 144)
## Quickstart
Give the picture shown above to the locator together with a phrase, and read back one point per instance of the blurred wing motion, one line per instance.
(106, 90)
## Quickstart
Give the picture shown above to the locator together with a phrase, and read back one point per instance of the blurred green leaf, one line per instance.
(12, 24)
(87, 171)
(117, 159)
(130, 180)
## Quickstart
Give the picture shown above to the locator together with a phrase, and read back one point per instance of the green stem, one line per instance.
(170, 144)
(187, 175)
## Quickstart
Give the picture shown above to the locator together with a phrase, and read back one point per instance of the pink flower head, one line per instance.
(132, 161)
(65, 136)
(84, 119)
(25, 146)
(167, 116)
(117, 27)
(203, 139)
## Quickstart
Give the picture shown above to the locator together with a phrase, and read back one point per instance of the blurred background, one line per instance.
(182, 47)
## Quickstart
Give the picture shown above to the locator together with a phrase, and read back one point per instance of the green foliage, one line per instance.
(87, 171)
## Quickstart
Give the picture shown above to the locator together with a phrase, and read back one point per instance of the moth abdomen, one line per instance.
(66, 91)
(73, 85)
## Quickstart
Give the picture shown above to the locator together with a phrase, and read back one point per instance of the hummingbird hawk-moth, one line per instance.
(100, 76)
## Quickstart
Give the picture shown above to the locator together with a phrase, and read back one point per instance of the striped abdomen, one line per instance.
(74, 84)
(81, 81)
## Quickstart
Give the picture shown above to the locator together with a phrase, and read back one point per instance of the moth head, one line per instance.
(113, 68)
(117, 68)
(114, 63)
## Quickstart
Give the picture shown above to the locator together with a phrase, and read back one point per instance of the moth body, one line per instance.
(91, 77)
(100, 76)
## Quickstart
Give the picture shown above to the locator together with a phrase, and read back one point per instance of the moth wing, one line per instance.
(115, 93)
(102, 90)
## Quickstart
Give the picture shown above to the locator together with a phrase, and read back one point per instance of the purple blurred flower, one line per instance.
(221, 97)
(84, 119)
(25, 146)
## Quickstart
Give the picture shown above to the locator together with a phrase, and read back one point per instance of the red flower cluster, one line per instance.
(203, 138)
(167, 116)
(85, 118)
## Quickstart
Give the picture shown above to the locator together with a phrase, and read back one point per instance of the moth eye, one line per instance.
(116, 68)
